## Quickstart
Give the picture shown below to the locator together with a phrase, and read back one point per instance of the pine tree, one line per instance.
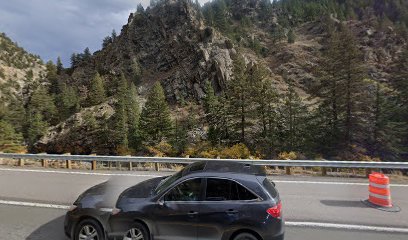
(106, 42)
(60, 66)
(211, 108)
(120, 118)
(36, 128)
(67, 101)
(113, 35)
(97, 93)
(140, 8)
(87, 55)
(220, 16)
(42, 102)
(293, 118)
(239, 98)
(342, 92)
(400, 83)
(291, 36)
(387, 131)
(155, 122)
(264, 105)
(8, 136)
(133, 117)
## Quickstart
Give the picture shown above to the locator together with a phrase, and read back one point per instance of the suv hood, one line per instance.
(107, 193)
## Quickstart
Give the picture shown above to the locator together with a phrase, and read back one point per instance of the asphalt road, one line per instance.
(308, 200)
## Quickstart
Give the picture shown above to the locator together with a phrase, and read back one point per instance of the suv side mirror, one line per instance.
(161, 203)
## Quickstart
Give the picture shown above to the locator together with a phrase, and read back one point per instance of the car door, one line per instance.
(176, 212)
(225, 203)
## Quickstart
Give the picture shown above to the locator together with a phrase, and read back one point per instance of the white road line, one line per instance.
(78, 173)
(151, 175)
(32, 204)
(287, 223)
(347, 226)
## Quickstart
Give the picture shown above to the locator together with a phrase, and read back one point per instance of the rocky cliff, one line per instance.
(17, 69)
(168, 43)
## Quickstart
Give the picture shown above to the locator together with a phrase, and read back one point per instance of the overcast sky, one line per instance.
(52, 28)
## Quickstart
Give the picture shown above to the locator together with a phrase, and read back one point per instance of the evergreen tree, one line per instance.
(106, 42)
(113, 35)
(208, 13)
(220, 16)
(36, 128)
(155, 122)
(211, 108)
(87, 55)
(342, 90)
(293, 121)
(120, 118)
(291, 36)
(52, 76)
(74, 60)
(42, 102)
(97, 93)
(265, 104)
(8, 136)
(60, 66)
(387, 131)
(239, 98)
(67, 101)
(133, 117)
(140, 8)
(400, 83)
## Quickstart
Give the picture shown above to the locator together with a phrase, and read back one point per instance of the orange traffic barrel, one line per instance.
(379, 193)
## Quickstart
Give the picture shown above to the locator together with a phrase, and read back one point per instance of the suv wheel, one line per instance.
(137, 232)
(245, 236)
(88, 230)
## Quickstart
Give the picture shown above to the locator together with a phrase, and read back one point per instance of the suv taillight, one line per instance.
(275, 211)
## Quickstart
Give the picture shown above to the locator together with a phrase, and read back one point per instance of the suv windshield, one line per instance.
(166, 182)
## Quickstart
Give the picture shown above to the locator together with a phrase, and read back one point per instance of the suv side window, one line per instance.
(186, 191)
(226, 190)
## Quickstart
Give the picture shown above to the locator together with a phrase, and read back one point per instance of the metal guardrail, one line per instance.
(281, 163)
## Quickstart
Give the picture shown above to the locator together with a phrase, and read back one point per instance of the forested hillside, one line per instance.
(230, 79)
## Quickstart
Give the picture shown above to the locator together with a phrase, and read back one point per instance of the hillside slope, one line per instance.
(246, 73)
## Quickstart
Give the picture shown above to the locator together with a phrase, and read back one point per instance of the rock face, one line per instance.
(171, 44)
(78, 134)
(17, 69)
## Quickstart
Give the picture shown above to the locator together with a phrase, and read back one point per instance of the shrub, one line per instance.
(287, 155)
(238, 151)
(162, 149)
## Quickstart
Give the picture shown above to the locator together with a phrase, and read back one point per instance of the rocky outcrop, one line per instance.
(18, 68)
(168, 43)
(79, 134)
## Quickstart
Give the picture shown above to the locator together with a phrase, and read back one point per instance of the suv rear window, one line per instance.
(226, 190)
(270, 188)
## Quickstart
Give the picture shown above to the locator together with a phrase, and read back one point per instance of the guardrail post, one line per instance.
(288, 171)
(157, 167)
(68, 162)
(44, 162)
(130, 164)
(20, 162)
(93, 166)
(324, 171)
(368, 172)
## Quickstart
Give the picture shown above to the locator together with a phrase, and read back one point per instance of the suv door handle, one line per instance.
(231, 211)
(192, 213)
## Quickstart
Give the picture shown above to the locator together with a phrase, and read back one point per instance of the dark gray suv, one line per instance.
(206, 200)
